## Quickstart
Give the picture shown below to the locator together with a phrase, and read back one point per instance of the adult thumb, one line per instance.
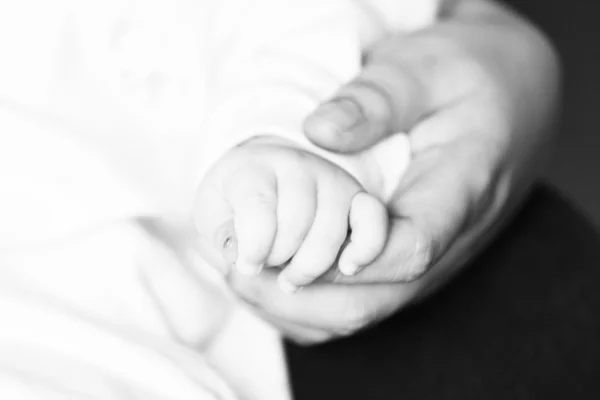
(405, 79)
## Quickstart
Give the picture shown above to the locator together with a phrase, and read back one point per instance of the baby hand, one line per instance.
(288, 206)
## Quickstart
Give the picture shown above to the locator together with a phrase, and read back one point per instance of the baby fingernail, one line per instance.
(249, 269)
(286, 286)
(348, 269)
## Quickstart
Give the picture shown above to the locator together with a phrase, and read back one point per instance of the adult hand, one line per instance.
(476, 92)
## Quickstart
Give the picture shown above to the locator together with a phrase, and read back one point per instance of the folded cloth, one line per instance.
(122, 313)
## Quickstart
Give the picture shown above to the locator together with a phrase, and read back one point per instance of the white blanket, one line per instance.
(110, 112)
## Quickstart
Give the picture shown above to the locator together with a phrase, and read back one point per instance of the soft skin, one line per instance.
(477, 93)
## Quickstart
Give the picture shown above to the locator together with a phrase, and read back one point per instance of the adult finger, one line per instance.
(299, 334)
(444, 191)
(342, 309)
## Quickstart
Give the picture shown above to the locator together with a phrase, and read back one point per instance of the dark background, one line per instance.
(574, 27)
